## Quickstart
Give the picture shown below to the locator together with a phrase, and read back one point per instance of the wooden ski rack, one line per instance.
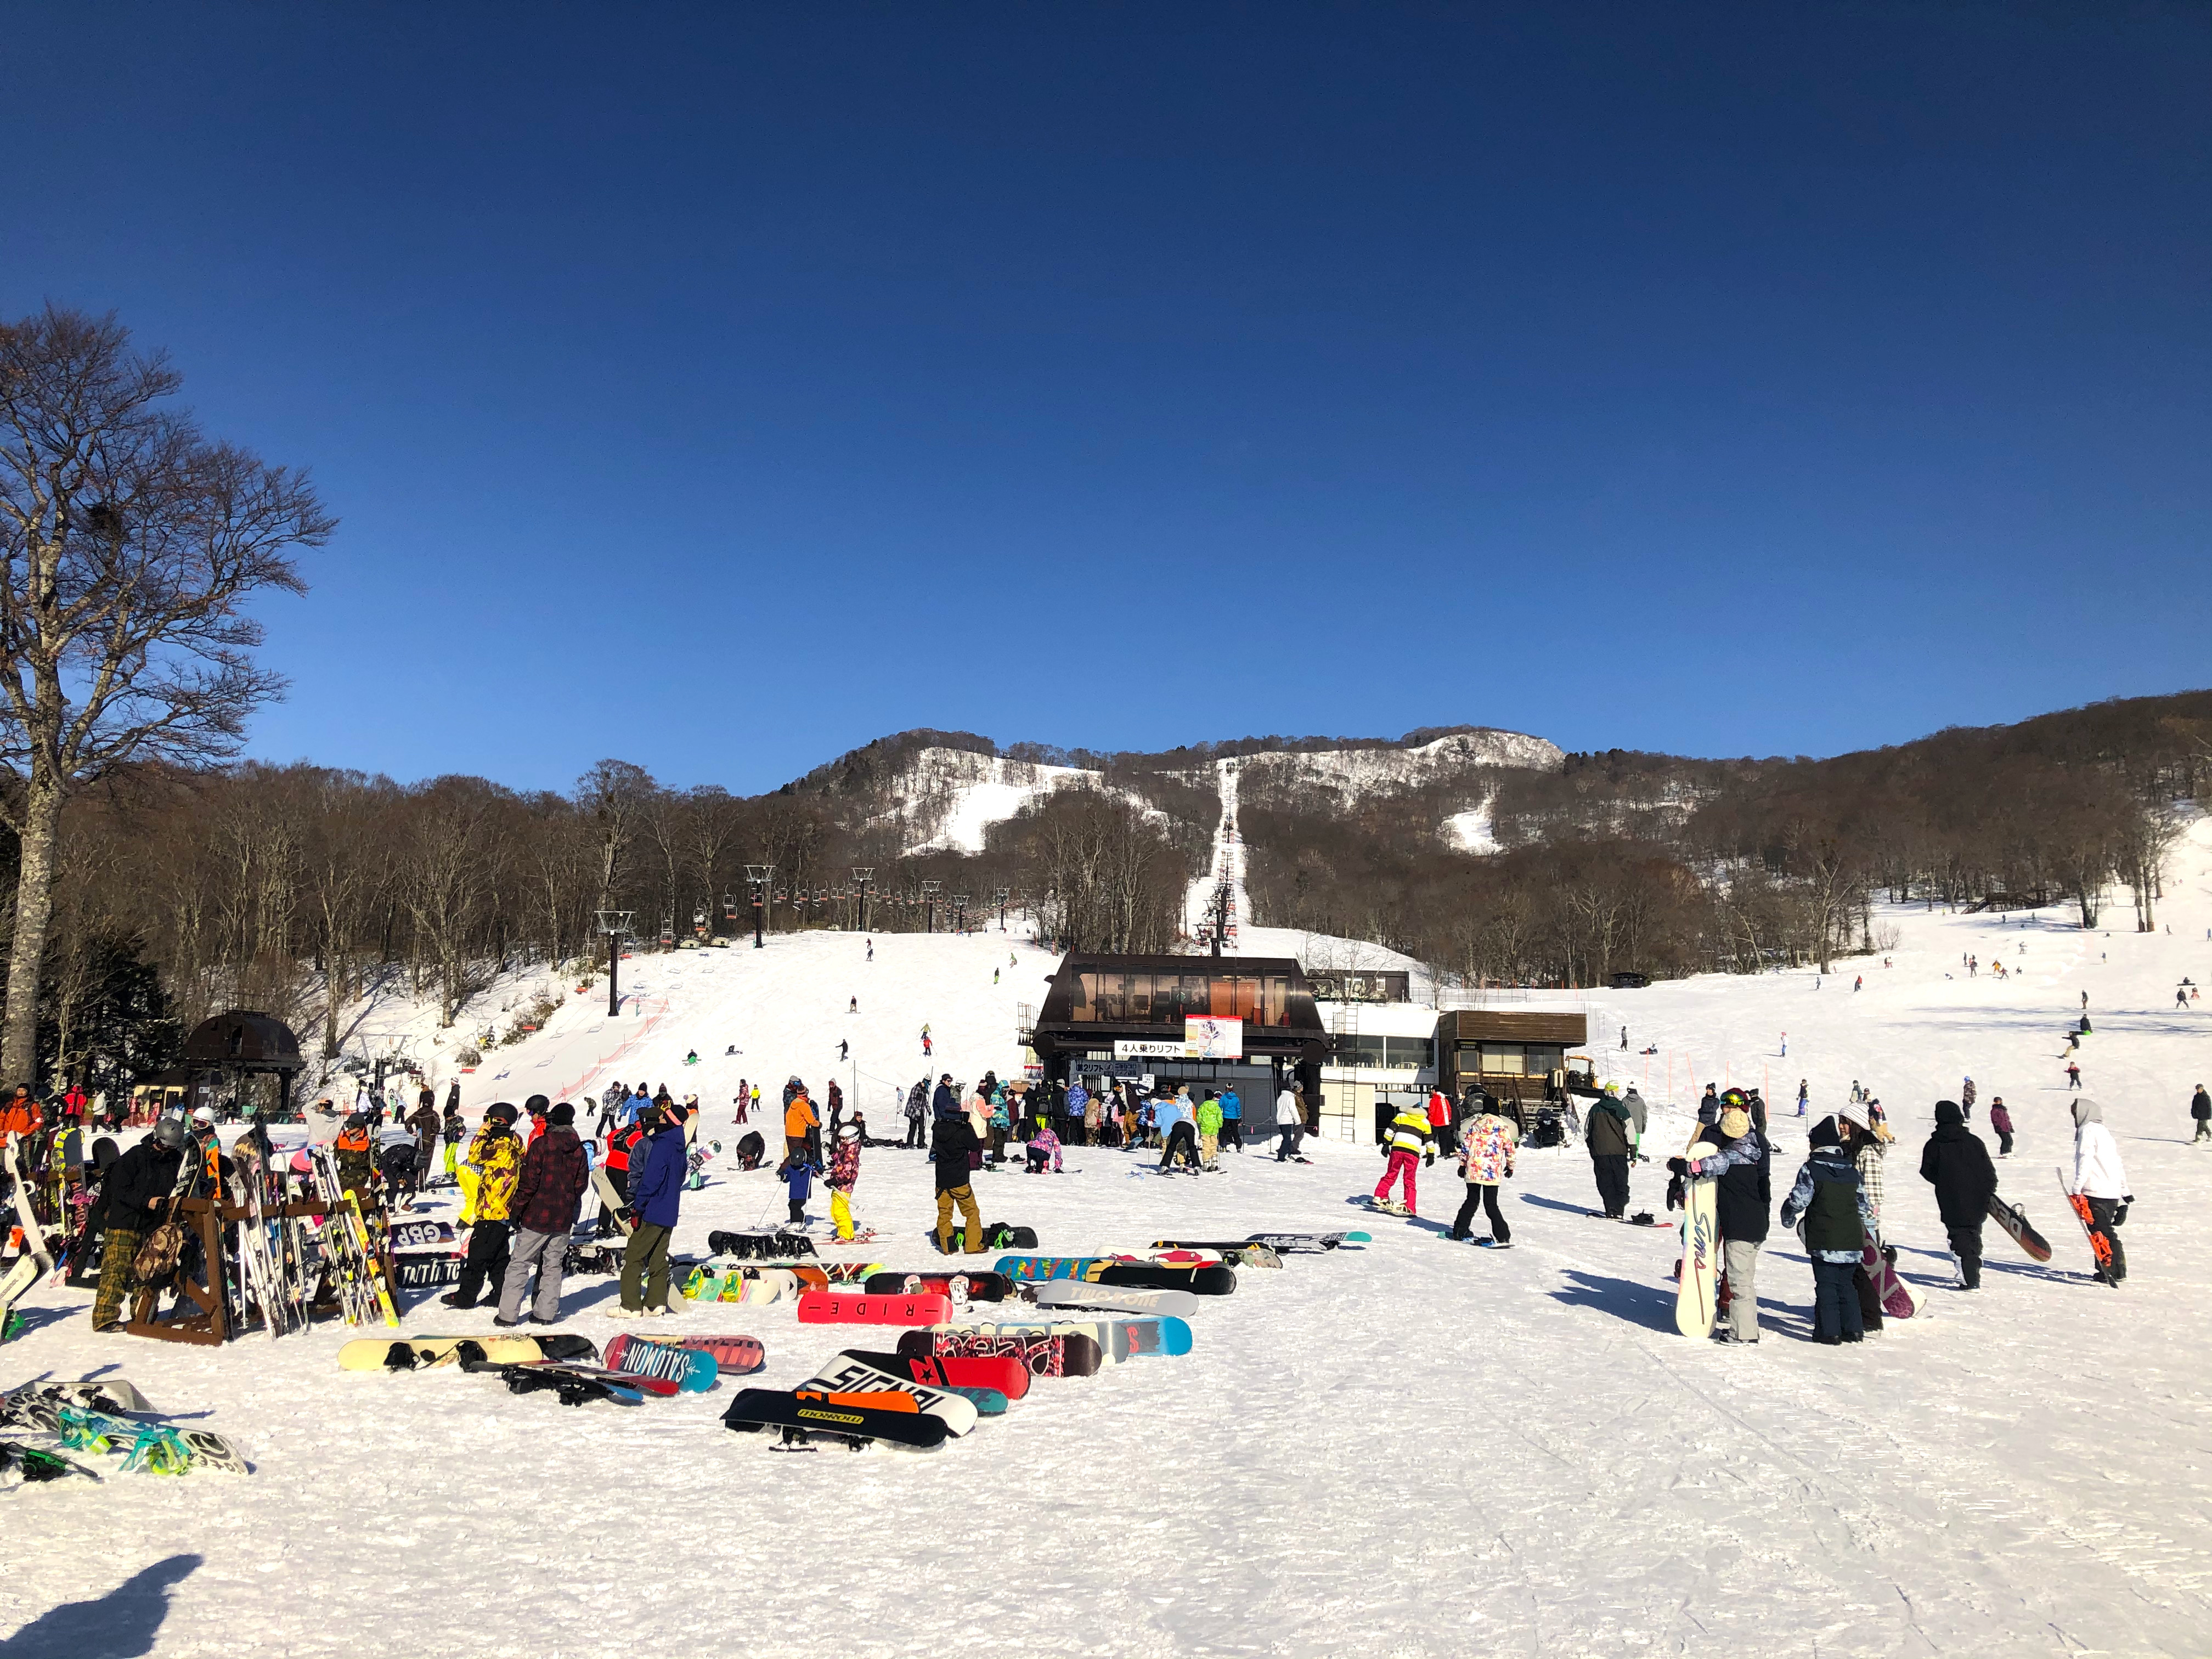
(210, 1327)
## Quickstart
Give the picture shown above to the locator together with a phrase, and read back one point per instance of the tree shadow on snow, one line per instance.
(1624, 1298)
(120, 1624)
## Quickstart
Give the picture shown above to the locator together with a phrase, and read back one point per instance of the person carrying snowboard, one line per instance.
(1486, 1161)
(1836, 1224)
(133, 1195)
(2099, 1180)
(844, 1174)
(496, 1156)
(1740, 1162)
(2200, 1107)
(1956, 1163)
(549, 1193)
(1408, 1144)
(1606, 1132)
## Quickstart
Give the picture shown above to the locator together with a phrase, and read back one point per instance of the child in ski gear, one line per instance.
(2100, 1179)
(548, 1191)
(1209, 1131)
(1607, 1134)
(1407, 1143)
(1044, 1148)
(496, 1156)
(1837, 1222)
(1956, 1163)
(1485, 1160)
(844, 1174)
(798, 1177)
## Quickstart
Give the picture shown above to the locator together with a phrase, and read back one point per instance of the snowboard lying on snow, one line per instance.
(1041, 1352)
(1118, 1339)
(844, 1307)
(859, 1372)
(1079, 1293)
(980, 1285)
(1212, 1279)
(733, 1356)
(381, 1353)
(803, 1419)
(692, 1370)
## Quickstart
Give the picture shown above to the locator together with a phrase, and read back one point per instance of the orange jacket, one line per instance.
(798, 1117)
(18, 1118)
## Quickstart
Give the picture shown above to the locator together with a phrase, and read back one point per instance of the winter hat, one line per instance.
(500, 1111)
(1824, 1133)
(562, 1115)
(1949, 1115)
(2087, 1110)
(203, 1113)
(1853, 1112)
(536, 1104)
(354, 1120)
(1735, 1123)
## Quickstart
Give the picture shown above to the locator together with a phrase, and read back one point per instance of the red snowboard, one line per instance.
(1000, 1371)
(844, 1307)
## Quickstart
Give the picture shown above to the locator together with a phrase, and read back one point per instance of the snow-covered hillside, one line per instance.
(949, 798)
(1412, 1449)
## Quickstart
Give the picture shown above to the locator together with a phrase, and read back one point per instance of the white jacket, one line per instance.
(2097, 1171)
(1288, 1110)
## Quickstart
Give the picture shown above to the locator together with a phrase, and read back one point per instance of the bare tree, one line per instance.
(133, 545)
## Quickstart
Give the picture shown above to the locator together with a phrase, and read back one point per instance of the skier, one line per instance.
(1804, 1096)
(1740, 1163)
(2200, 1107)
(547, 1194)
(1486, 1161)
(137, 1187)
(741, 1100)
(2072, 1075)
(1836, 1224)
(871, 950)
(1408, 1139)
(1288, 1119)
(2100, 1179)
(2001, 1120)
(844, 1050)
(1956, 1163)
(1966, 1100)
(844, 1174)
(656, 1194)
(496, 1156)
(1606, 1132)
(797, 1175)
(955, 1140)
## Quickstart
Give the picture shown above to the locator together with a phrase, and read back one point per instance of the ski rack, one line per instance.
(211, 1326)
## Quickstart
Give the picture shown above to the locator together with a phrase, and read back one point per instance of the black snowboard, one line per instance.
(1043, 1352)
(765, 1246)
(804, 1421)
(1215, 1279)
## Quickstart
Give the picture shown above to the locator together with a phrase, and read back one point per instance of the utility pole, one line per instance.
(1001, 896)
(759, 875)
(614, 924)
(860, 874)
(960, 913)
(929, 892)
(1220, 916)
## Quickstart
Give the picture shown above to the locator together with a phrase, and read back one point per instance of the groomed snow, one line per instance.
(1416, 1448)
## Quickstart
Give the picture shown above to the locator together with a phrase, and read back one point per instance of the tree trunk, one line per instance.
(34, 910)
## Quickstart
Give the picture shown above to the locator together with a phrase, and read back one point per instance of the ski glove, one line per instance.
(1677, 1167)
(2120, 1211)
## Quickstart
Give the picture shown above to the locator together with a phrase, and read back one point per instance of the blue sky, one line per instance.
(720, 387)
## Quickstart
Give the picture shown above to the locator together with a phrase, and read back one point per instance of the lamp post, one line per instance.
(759, 875)
(929, 892)
(860, 874)
(614, 924)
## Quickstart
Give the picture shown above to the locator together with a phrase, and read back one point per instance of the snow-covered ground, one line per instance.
(1414, 1449)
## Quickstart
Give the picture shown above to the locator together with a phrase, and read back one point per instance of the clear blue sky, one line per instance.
(720, 387)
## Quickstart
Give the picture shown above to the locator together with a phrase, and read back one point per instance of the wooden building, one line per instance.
(1510, 1053)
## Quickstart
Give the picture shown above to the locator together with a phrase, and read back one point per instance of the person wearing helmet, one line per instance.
(132, 1196)
(495, 1155)
(356, 1160)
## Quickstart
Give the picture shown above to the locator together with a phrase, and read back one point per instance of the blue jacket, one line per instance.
(1231, 1107)
(631, 1106)
(654, 1194)
(942, 1103)
(799, 1176)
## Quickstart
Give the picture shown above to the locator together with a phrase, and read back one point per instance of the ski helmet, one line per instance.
(169, 1133)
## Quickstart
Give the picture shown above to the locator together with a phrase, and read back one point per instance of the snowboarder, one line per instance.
(797, 1175)
(802, 1129)
(132, 1194)
(2200, 1107)
(2072, 1075)
(1804, 1096)
(955, 1140)
(1485, 1162)
(851, 1005)
(742, 1100)
(1956, 1163)
(844, 1049)
(1289, 1117)
(1408, 1141)
(496, 1156)
(871, 950)
(1837, 1225)
(548, 1195)
(1740, 1162)
(656, 1197)
(1044, 1151)
(2001, 1120)
(1209, 1132)
(2100, 1179)
(1966, 1100)
(1232, 1119)
(1607, 1133)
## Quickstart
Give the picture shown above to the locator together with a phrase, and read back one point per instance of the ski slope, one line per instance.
(1416, 1448)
